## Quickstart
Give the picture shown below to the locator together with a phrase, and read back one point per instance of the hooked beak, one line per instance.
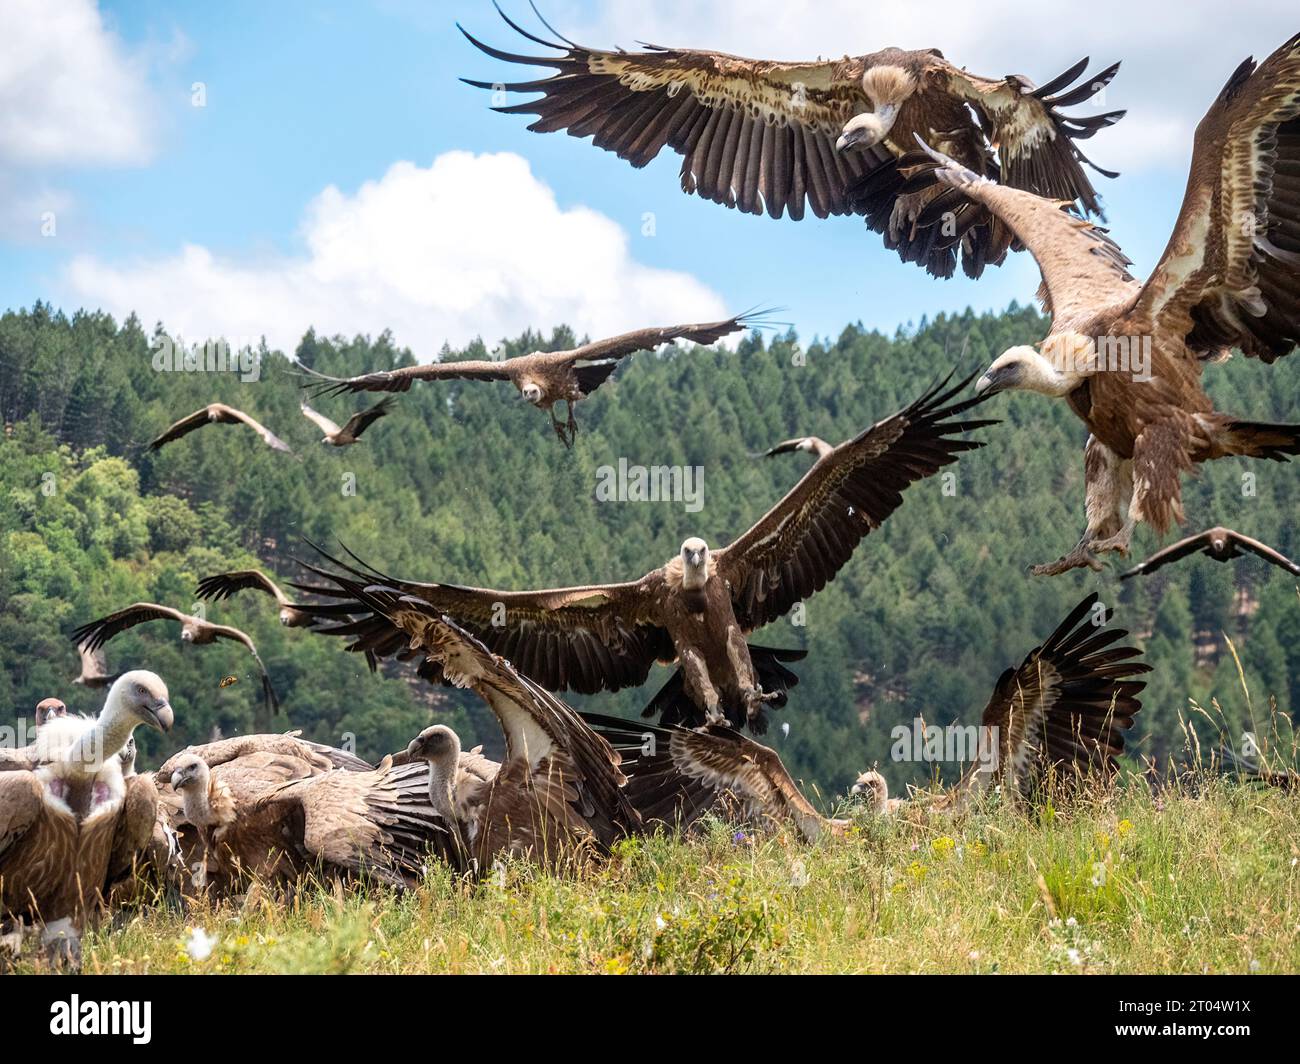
(176, 779)
(849, 141)
(998, 381)
(413, 748)
(164, 716)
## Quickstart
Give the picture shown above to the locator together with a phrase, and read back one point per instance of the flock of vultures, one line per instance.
(947, 167)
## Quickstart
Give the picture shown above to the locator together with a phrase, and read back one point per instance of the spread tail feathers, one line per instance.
(1257, 439)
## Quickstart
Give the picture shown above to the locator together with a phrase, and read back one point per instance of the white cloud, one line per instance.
(70, 94)
(1176, 59)
(473, 245)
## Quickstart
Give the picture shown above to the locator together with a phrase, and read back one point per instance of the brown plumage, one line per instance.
(218, 414)
(94, 670)
(69, 816)
(676, 775)
(350, 433)
(544, 378)
(698, 608)
(194, 630)
(1221, 544)
(274, 809)
(226, 585)
(559, 791)
(1127, 356)
(831, 136)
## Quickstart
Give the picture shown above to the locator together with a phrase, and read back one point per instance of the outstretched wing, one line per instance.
(226, 585)
(754, 135)
(602, 637)
(538, 727)
(319, 420)
(796, 549)
(359, 422)
(94, 635)
(1065, 709)
(617, 347)
(1173, 553)
(400, 380)
(1230, 276)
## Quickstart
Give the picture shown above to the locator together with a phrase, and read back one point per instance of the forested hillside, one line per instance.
(464, 483)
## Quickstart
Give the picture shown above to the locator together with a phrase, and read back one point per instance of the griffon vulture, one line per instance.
(831, 136)
(676, 775)
(226, 585)
(68, 816)
(219, 414)
(1221, 544)
(698, 608)
(559, 789)
(194, 630)
(94, 670)
(543, 378)
(49, 709)
(276, 817)
(350, 433)
(1061, 714)
(1128, 357)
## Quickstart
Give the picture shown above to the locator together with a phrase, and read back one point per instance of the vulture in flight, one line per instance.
(559, 789)
(195, 630)
(1221, 544)
(275, 808)
(1060, 715)
(350, 433)
(68, 813)
(543, 378)
(220, 414)
(698, 608)
(1128, 357)
(807, 445)
(94, 670)
(226, 585)
(675, 775)
(833, 137)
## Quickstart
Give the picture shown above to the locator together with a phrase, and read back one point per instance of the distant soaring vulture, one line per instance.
(194, 630)
(62, 806)
(218, 414)
(833, 136)
(698, 608)
(94, 670)
(1221, 544)
(350, 433)
(1127, 356)
(543, 378)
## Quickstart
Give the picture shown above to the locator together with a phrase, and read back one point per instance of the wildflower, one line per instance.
(739, 838)
(943, 844)
(916, 870)
(1074, 957)
(799, 875)
(1254, 965)
(1125, 826)
(660, 923)
(974, 955)
(1071, 922)
(1103, 840)
(200, 944)
(1098, 875)
(978, 849)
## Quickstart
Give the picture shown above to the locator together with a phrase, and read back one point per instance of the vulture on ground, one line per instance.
(69, 817)
(676, 775)
(218, 414)
(543, 378)
(1060, 716)
(274, 809)
(559, 791)
(1127, 356)
(831, 136)
(49, 709)
(350, 433)
(698, 608)
(195, 630)
(1221, 544)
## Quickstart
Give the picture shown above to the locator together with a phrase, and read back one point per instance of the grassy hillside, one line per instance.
(1123, 883)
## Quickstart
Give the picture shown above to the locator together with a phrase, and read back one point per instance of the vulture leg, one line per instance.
(1108, 481)
(561, 430)
(743, 666)
(701, 689)
(572, 425)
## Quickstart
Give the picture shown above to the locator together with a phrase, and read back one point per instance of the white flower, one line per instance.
(1071, 922)
(974, 955)
(659, 923)
(200, 945)
(1099, 875)
(1072, 955)
(799, 875)
(1254, 965)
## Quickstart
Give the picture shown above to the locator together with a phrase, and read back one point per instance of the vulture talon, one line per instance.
(1079, 558)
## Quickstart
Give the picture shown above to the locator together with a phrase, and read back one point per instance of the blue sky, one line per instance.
(320, 182)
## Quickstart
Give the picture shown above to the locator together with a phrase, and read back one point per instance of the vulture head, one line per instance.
(190, 775)
(872, 789)
(438, 745)
(866, 130)
(695, 563)
(48, 709)
(142, 696)
(532, 392)
(127, 757)
(1065, 362)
